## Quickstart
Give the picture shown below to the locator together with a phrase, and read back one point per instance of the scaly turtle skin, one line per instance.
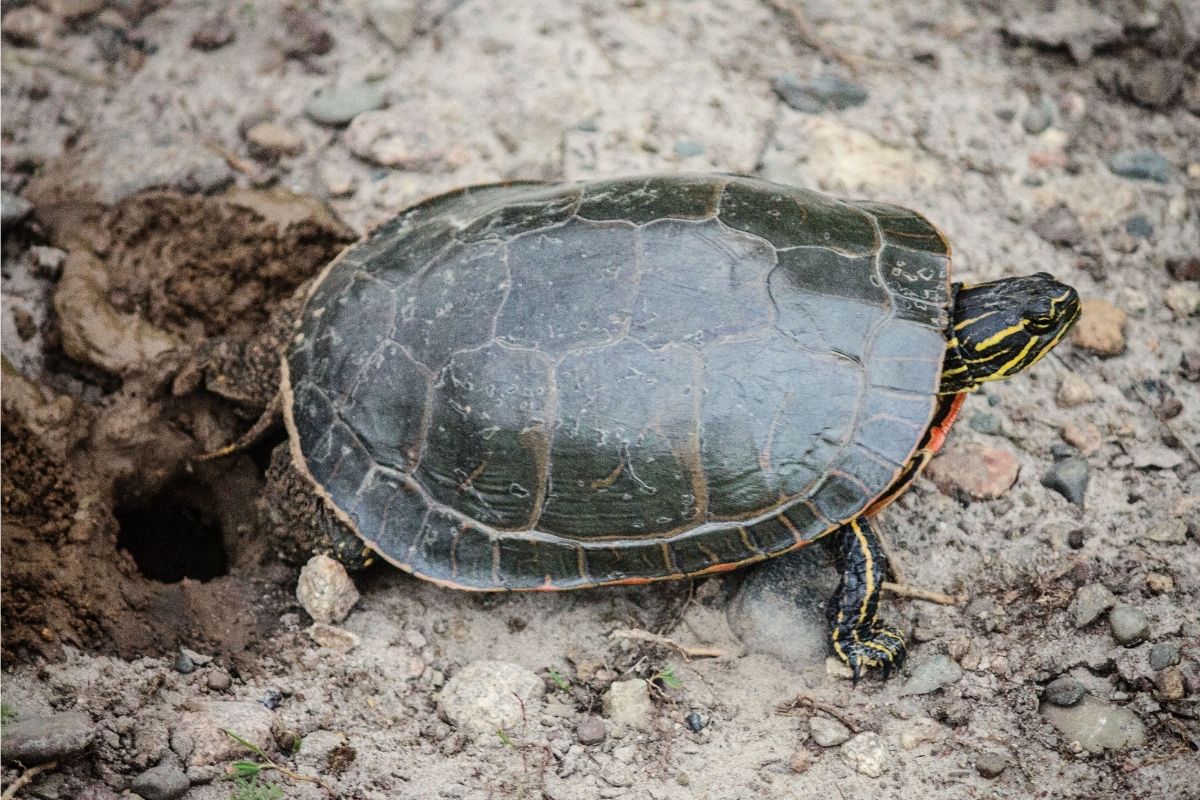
(529, 386)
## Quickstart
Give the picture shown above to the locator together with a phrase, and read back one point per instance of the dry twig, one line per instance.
(904, 590)
(813, 704)
(688, 651)
(25, 777)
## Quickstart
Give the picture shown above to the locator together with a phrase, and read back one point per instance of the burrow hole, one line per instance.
(174, 534)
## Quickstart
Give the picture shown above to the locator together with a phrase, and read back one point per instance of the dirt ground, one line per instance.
(174, 171)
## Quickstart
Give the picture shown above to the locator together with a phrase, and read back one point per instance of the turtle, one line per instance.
(533, 386)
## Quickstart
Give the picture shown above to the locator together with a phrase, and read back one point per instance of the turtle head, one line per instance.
(999, 328)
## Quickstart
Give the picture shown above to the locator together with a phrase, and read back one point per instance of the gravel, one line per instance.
(1090, 602)
(990, 765)
(868, 753)
(339, 106)
(1101, 328)
(1069, 476)
(591, 730)
(1064, 692)
(1163, 655)
(628, 703)
(1073, 390)
(978, 471)
(1147, 165)
(1129, 625)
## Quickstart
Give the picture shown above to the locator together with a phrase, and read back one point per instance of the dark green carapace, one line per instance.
(538, 386)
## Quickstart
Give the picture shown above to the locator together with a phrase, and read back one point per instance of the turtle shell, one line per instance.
(530, 386)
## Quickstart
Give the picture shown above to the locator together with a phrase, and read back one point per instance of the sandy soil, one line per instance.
(169, 228)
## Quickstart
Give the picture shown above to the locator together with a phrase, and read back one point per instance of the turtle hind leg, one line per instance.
(857, 635)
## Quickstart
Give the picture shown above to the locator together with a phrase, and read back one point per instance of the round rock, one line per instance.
(1097, 725)
(780, 608)
(482, 698)
(1090, 602)
(932, 674)
(1073, 391)
(1129, 625)
(326, 590)
(1149, 165)
(1163, 655)
(590, 730)
(41, 739)
(1183, 298)
(990, 765)
(1101, 328)
(1083, 436)
(340, 105)
(164, 782)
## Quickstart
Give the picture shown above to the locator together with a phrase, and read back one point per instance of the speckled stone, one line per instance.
(1101, 328)
(1064, 691)
(1129, 625)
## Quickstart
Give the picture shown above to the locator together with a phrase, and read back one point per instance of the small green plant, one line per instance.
(667, 677)
(247, 773)
(505, 739)
(7, 714)
(559, 680)
(251, 789)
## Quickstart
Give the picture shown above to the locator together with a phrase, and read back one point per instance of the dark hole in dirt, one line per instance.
(174, 534)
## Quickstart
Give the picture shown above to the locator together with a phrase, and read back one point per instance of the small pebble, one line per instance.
(1064, 692)
(1183, 298)
(30, 26)
(1073, 391)
(1139, 226)
(1059, 226)
(1184, 268)
(628, 702)
(987, 423)
(1158, 583)
(867, 753)
(1038, 116)
(1156, 457)
(1069, 477)
(184, 664)
(1171, 531)
(1170, 684)
(13, 207)
(980, 472)
(1101, 328)
(1155, 83)
(1141, 165)
(827, 732)
(334, 638)
(325, 590)
(800, 762)
(990, 765)
(340, 105)
(270, 141)
(1129, 625)
(271, 699)
(338, 180)
(590, 730)
(1163, 655)
(931, 675)
(695, 722)
(1077, 538)
(1083, 436)
(1189, 365)
(1097, 725)
(688, 149)
(920, 730)
(164, 782)
(213, 33)
(823, 92)
(1090, 602)
(219, 680)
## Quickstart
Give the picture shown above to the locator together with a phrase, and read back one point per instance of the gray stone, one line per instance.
(1064, 692)
(1069, 477)
(485, 697)
(397, 21)
(219, 680)
(340, 105)
(931, 675)
(1139, 226)
(1077, 28)
(685, 148)
(628, 702)
(1148, 165)
(1097, 725)
(1059, 226)
(164, 782)
(1183, 299)
(1090, 602)
(1038, 116)
(822, 92)
(200, 739)
(41, 739)
(326, 590)
(780, 608)
(1163, 655)
(828, 732)
(1129, 625)
(990, 765)
(591, 730)
(867, 753)
(13, 208)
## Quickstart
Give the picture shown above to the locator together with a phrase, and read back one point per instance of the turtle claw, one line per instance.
(881, 646)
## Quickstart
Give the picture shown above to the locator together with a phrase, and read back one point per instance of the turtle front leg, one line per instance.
(857, 635)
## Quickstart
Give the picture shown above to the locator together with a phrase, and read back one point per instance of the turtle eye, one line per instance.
(1040, 325)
